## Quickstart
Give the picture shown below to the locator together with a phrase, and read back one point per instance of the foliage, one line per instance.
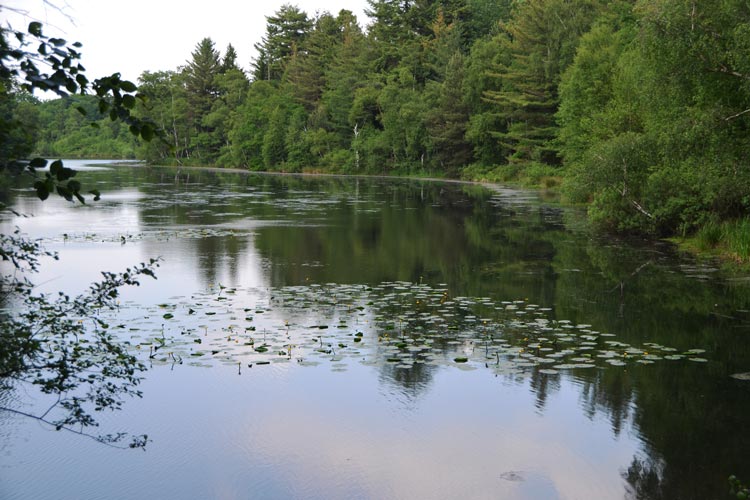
(285, 33)
(737, 489)
(541, 37)
(54, 67)
(65, 133)
(59, 344)
(643, 104)
(657, 115)
(731, 238)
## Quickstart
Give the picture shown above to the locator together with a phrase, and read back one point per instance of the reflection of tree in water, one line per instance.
(692, 419)
(542, 385)
(645, 480)
(412, 382)
(219, 253)
(609, 391)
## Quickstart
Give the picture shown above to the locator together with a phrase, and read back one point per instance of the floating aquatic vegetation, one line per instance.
(397, 324)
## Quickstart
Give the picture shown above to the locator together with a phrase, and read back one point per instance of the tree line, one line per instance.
(641, 107)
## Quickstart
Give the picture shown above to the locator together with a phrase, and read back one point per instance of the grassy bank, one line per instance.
(535, 175)
(727, 240)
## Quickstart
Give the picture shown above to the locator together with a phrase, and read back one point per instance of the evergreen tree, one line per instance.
(229, 61)
(484, 17)
(285, 32)
(274, 140)
(486, 123)
(200, 74)
(389, 34)
(345, 74)
(448, 121)
(202, 90)
(541, 37)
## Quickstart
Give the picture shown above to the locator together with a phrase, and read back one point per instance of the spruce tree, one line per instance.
(541, 38)
(285, 33)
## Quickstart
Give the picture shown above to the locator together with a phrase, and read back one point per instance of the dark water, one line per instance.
(371, 338)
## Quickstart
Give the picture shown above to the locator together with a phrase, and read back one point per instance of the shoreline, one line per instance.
(724, 259)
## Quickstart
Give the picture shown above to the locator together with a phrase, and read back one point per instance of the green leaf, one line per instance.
(65, 193)
(41, 190)
(128, 101)
(74, 186)
(65, 173)
(127, 86)
(71, 86)
(35, 28)
(147, 132)
(96, 193)
(103, 106)
(38, 163)
(56, 166)
(81, 110)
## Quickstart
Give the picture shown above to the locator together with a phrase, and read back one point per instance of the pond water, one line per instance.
(329, 337)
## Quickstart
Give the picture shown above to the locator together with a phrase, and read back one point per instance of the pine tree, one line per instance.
(345, 74)
(200, 72)
(306, 67)
(541, 38)
(448, 121)
(389, 34)
(274, 141)
(229, 61)
(285, 33)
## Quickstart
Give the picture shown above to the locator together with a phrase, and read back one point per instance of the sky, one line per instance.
(154, 35)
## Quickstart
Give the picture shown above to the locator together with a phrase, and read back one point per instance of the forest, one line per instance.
(638, 109)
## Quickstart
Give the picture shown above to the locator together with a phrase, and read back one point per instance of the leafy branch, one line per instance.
(60, 345)
(34, 62)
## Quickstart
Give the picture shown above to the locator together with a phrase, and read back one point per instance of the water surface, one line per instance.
(373, 338)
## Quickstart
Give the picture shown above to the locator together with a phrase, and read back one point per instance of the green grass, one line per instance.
(531, 175)
(729, 240)
(737, 237)
(709, 235)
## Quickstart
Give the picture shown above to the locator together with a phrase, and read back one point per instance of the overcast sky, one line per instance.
(137, 35)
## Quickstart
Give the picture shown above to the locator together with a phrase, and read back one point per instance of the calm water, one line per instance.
(369, 338)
